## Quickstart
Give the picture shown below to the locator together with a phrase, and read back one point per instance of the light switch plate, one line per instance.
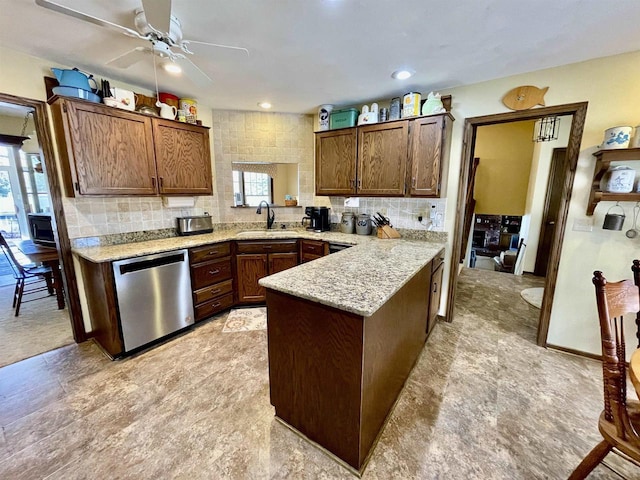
(583, 225)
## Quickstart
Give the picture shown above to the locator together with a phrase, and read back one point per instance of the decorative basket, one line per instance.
(290, 203)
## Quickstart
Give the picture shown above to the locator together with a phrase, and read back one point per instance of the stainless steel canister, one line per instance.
(384, 114)
(348, 223)
(394, 109)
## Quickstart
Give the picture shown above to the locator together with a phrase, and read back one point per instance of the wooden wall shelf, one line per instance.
(603, 162)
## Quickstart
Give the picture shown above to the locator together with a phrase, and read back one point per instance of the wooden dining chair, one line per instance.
(619, 422)
(27, 276)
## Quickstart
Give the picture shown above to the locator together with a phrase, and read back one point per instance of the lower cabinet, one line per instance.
(312, 249)
(437, 269)
(211, 279)
(255, 260)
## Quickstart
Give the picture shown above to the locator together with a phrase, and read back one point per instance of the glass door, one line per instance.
(13, 219)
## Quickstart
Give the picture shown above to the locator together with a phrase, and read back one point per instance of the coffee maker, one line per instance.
(318, 218)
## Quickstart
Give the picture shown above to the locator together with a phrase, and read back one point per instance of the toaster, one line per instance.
(194, 225)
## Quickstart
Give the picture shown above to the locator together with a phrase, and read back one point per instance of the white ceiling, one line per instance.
(308, 52)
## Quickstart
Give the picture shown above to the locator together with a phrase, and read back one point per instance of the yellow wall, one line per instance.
(502, 178)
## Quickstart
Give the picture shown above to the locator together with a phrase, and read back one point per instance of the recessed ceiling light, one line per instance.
(402, 74)
(172, 67)
(265, 105)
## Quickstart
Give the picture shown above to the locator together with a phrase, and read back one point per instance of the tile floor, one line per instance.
(484, 402)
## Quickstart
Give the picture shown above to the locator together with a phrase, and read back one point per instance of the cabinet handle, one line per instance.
(161, 181)
(413, 182)
(216, 305)
(213, 292)
(268, 246)
(353, 183)
(153, 182)
(359, 183)
(214, 272)
(212, 252)
(435, 288)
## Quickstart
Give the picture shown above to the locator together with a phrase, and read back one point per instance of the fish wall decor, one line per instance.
(524, 97)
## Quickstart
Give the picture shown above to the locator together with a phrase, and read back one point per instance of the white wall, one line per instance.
(611, 87)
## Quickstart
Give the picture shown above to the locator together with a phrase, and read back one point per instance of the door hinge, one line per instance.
(64, 107)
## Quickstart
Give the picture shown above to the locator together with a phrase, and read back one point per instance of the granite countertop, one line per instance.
(358, 280)
(109, 253)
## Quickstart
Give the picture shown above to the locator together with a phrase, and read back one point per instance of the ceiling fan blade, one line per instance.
(192, 71)
(158, 14)
(216, 45)
(56, 7)
(129, 58)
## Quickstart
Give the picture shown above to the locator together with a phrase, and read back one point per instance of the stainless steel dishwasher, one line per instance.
(154, 296)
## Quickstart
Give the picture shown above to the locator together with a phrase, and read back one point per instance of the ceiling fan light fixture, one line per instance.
(172, 67)
(402, 74)
(265, 105)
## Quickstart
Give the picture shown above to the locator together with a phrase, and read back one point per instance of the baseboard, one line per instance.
(575, 352)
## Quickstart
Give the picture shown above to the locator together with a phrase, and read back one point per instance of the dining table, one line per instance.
(47, 256)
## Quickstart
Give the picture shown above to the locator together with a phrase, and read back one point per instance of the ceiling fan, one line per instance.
(155, 24)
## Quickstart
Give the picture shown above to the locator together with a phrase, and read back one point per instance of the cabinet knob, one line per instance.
(214, 272)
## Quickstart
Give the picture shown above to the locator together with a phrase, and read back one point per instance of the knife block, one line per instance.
(385, 231)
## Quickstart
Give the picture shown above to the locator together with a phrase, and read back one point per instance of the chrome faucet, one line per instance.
(271, 216)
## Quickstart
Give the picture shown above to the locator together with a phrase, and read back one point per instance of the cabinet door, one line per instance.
(249, 269)
(336, 162)
(183, 158)
(436, 294)
(282, 261)
(426, 155)
(382, 158)
(111, 150)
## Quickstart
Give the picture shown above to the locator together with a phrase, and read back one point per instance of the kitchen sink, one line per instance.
(260, 233)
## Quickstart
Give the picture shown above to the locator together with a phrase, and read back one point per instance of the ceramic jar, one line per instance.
(363, 225)
(348, 223)
(616, 137)
(618, 179)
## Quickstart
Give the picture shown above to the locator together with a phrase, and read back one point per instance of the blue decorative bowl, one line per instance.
(76, 93)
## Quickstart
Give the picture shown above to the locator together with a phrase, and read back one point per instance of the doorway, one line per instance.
(578, 112)
(29, 183)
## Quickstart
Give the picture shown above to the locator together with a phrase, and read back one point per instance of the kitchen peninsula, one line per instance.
(344, 333)
(344, 330)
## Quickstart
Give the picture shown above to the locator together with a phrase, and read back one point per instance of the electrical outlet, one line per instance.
(583, 225)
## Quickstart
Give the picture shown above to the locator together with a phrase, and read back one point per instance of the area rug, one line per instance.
(40, 327)
(533, 296)
(246, 319)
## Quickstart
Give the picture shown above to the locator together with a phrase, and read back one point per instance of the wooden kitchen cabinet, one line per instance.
(257, 259)
(437, 270)
(382, 159)
(312, 249)
(110, 151)
(336, 162)
(397, 158)
(211, 279)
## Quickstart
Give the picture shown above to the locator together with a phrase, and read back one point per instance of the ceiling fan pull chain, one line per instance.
(155, 76)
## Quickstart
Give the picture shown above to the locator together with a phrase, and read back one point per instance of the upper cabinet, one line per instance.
(107, 151)
(336, 162)
(397, 158)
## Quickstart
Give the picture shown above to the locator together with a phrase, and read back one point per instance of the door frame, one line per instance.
(50, 167)
(579, 112)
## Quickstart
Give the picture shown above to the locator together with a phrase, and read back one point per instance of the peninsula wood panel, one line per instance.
(336, 162)
(315, 364)
(249, 269)
(382, 158)
(183, 158)
(111, 152)
(426, 156)
(394, 337)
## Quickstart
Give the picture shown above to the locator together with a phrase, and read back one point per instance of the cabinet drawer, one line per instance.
(307, 257)
(210, 273)
(209, 252)
(267, 247)
(214, 306)
(214, 291)
(313, 247)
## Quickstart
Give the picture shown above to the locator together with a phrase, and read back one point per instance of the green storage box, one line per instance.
(343, 118)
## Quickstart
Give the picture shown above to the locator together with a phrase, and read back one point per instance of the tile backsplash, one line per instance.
(402, 212)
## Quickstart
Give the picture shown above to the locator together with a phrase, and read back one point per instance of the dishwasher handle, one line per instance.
(147, 264)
